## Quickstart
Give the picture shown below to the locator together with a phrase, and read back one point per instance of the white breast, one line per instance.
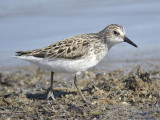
(66, 65)
(62, 65)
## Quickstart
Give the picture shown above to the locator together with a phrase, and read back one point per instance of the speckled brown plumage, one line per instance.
(71, 48)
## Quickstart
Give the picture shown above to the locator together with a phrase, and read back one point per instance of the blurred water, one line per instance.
(26, 25)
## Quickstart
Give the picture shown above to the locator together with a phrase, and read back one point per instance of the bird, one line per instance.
(76, 54)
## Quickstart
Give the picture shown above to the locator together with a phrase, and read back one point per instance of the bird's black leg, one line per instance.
(75, 83)
(50, 90)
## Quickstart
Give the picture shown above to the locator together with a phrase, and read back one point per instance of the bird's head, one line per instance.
(114, 34)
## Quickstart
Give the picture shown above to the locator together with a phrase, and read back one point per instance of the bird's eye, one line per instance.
(116, 33)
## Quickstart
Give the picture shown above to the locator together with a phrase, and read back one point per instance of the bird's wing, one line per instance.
(71, 48)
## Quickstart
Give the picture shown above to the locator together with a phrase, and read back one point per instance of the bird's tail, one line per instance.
(21, 53)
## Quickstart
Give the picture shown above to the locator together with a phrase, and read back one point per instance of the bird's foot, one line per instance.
(50, 95)
(88, 103)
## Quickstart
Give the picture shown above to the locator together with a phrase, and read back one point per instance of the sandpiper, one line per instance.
(76, 54)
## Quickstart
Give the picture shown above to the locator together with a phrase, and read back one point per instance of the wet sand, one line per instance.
(113, 94)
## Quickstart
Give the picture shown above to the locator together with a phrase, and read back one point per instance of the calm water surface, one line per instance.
(26, 25)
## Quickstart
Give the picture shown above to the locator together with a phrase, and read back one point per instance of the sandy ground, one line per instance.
(125, 93)
(113, 95)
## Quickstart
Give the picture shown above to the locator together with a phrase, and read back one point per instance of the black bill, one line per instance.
(129, 41)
